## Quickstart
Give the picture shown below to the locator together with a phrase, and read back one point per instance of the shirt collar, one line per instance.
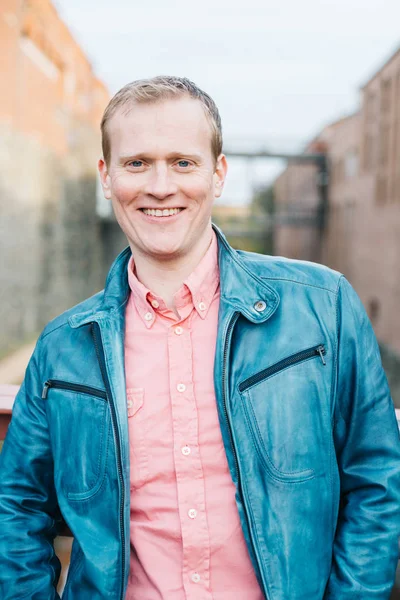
(204, 280)
(199, 288)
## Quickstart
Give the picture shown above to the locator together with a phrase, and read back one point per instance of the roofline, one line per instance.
(316, 137)
(351, 115)
(394, 55)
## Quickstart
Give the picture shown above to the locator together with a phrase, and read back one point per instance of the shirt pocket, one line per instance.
(138, 457)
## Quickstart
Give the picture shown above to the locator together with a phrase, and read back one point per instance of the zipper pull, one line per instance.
(321, 352)
(45, 390)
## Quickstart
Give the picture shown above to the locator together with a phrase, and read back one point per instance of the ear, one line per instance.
(221, 170)
(104, 178)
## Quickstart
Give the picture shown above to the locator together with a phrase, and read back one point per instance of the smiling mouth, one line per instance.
(165, 212)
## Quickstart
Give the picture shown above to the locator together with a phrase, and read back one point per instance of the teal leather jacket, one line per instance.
(306, 417)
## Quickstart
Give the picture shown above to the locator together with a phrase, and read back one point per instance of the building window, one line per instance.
(396, 143)
(351, 164)
(373, 308)
(369, 151)
(338, 171)
(384, 149)
(386, 91)
(381, 189)
(370, 107)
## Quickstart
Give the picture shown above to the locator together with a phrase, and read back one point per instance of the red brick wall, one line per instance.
(47, 79)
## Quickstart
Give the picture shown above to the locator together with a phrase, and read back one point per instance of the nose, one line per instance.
(160, 183)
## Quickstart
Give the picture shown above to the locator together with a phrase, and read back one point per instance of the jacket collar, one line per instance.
(241, 288)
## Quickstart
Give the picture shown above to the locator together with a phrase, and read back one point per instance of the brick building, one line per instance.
(362, 238)
(296, 201)
(51, 240)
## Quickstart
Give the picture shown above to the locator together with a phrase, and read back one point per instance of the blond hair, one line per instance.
(156, 89)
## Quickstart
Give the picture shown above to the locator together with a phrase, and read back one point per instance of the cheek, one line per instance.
(200, 189)
(123, 188)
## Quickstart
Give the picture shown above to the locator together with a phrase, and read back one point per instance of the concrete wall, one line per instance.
(51, 240)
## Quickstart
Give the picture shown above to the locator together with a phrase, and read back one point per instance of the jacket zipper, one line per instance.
(96, 334)
(230, 327)
(73, 387)
(283, 364)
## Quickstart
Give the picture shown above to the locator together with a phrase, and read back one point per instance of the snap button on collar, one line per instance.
(260, 305)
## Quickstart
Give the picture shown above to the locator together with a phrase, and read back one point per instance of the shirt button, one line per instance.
(178, 330)
(129, 403)
(195, 578)
(148, 316)
(202, 306)
(155, 304)
(181, 387)
(192, 513)
(186, 450)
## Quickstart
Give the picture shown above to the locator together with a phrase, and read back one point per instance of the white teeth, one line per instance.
(166, 212)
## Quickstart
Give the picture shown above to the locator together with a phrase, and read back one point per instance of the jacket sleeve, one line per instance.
(28, 506)
(367, 445)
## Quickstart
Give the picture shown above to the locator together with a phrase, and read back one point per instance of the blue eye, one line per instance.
(136, 163)
(183, 163)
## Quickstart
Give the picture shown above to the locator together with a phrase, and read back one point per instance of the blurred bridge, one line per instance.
(289, 215)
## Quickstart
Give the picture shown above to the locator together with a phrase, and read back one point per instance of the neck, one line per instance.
(165, 278)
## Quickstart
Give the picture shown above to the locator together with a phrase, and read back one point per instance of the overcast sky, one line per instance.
(279, 70)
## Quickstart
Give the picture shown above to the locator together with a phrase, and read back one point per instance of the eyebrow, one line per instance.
(172, 156)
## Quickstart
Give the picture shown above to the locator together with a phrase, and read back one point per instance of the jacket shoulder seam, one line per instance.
(318, 287)
(46, 333)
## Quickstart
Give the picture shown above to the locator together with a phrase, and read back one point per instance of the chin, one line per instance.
(164, 251)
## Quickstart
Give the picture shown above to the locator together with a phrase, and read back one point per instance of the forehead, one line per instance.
(171, 124)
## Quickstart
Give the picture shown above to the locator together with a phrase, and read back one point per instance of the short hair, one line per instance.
(156, 89)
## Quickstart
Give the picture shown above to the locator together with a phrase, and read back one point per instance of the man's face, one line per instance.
(162, 178)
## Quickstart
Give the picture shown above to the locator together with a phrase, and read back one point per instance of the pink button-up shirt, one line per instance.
(186, 537)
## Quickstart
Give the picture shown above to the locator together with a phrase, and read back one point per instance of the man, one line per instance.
(215, 424)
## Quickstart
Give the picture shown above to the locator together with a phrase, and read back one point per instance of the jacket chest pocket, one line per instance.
(79, 423)
(283, 409)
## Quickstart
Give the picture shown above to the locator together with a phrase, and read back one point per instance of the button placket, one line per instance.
(188, 468)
